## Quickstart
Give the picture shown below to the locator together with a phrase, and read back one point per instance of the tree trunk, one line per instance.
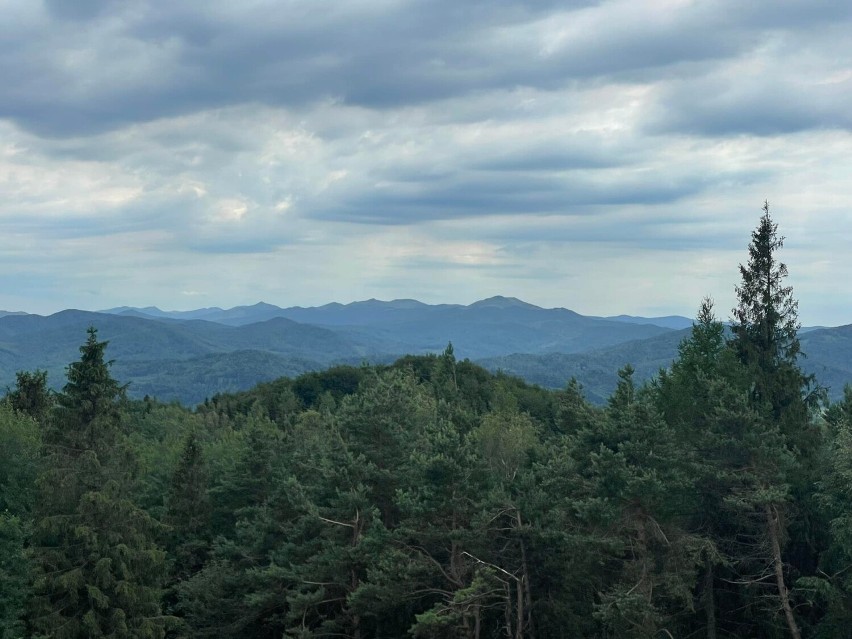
(772, 528)
(709, 599)
(525, 583)
(508, 610)
(519, 621)
(477, 617)
(357, 525)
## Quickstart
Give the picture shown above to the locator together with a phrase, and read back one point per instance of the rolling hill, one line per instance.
(490, 327)
(191, 355)
(827, 356)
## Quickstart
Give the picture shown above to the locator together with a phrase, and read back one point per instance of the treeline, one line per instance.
(432, 499)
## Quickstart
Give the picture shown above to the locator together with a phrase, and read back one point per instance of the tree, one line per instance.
(831, 591)
(766, 313)
(635, 483)
(188, 516)
(98, 572)
(766, 341)
(188, 512)
(20, 462)
(14, 576)
(31, 395)
(780, 437)
(682, 391)
(690, 396)
(19, 466)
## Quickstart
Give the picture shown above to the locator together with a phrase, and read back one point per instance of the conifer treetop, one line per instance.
(766, 316)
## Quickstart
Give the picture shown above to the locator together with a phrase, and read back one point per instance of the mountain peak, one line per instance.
(499, 301)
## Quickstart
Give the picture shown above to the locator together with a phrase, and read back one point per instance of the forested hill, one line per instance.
(494, 326)
(189, 358)
(827, 356)
(179, 356)
(428, 499)
(173, 351)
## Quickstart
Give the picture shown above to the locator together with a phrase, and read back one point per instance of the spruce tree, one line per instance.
(777, 431)
(188, 512)
(766, 341)
(766, 312)
(98, 572)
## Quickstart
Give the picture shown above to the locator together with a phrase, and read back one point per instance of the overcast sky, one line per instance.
(605, 157)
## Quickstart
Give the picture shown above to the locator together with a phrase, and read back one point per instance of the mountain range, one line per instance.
(190, 355)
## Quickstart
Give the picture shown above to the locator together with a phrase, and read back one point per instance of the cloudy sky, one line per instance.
(606, 157)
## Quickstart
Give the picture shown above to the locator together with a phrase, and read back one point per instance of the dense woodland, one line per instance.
(433, 499)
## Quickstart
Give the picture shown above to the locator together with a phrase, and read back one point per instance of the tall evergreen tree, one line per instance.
(693, 397)
(635, 484)
(779, 435)
(188, 512)
(766, 341)
(98, 570)
(766, 312)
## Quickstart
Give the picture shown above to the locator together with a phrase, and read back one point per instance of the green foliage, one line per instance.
(20, 444)
(98, 572)
(507, 440)
(15, 576)
(433, 499)
(31, 394)
(765, 331)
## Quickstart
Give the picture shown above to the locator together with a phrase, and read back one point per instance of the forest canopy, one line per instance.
(433, 499)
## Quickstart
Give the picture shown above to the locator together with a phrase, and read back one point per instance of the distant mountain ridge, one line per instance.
(189, 355)
(675, 322)
(371, 311)
(486, 328)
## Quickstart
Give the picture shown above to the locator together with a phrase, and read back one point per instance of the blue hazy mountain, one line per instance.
(34, 341)
(189, 355)
(676, 322)
(373, 311)
(827, 356)
(494, 326)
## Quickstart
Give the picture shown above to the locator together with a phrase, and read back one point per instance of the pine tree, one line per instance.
(689, 396)
(98, 572)
(766, 313)
(778, 434)
(188, 512)
(188, 516)
(636, 483)
(766, 339)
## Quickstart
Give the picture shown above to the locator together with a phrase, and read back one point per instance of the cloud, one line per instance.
(114, 63)
(316, 150)
(779, 90)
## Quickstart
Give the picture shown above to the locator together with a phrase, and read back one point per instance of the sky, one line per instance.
(607, 157)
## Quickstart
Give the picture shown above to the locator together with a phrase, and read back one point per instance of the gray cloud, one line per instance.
(755, 102)
(486, 194)
(370, 145)
(117, 64)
